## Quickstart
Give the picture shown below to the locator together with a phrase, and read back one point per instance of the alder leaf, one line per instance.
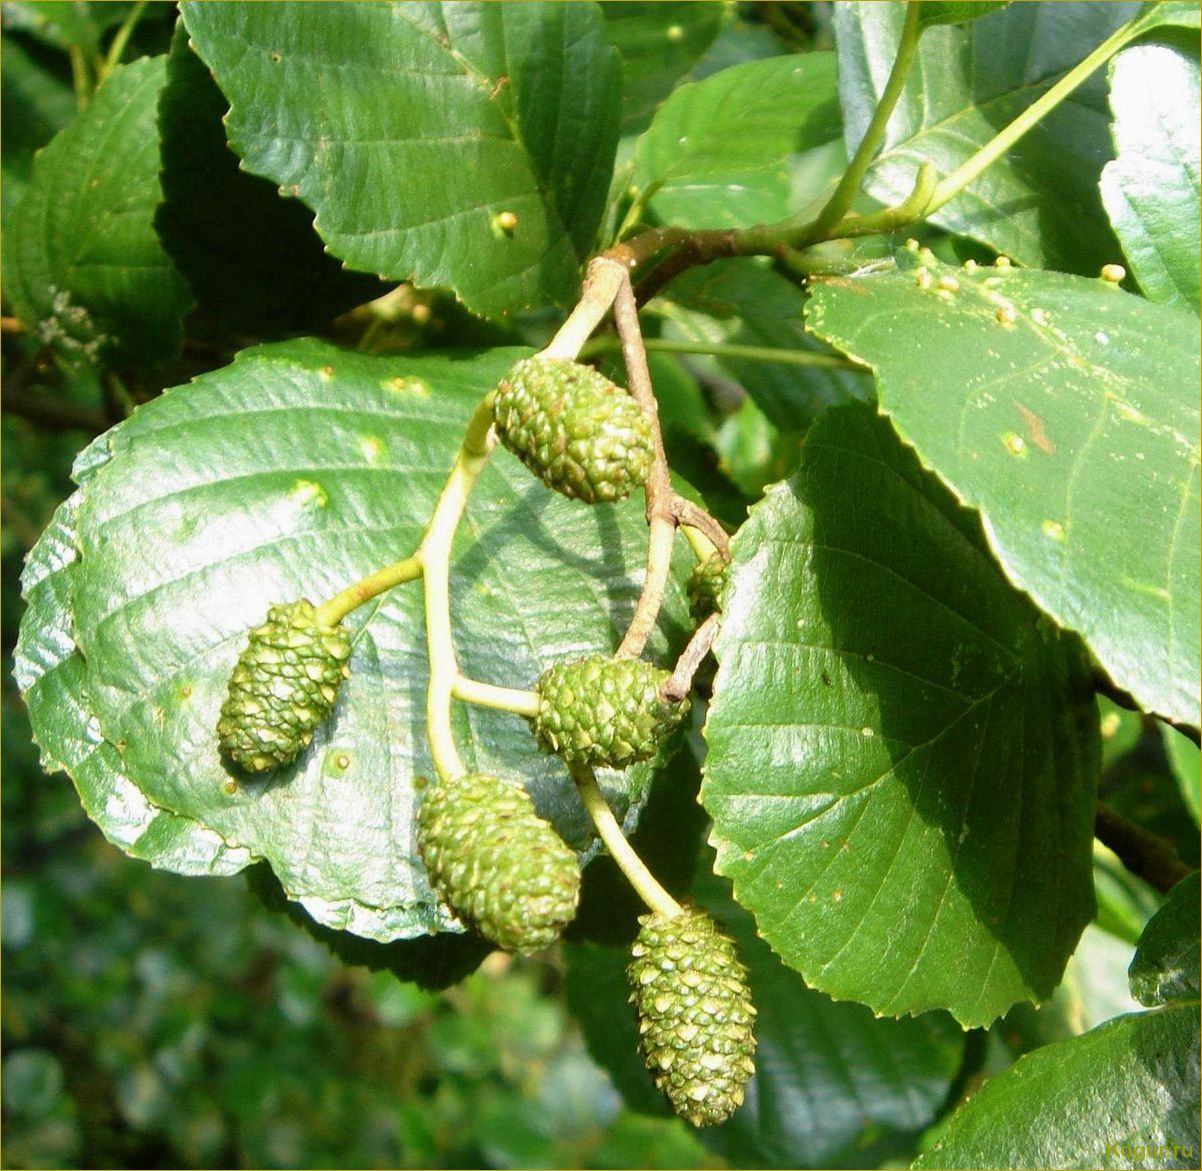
(1072, 427)
(409, 128)
(292, 473)
(82, 264)
(903, 753)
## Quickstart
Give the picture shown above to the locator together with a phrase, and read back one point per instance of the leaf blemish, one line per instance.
(1053, 529)
(412, 387)
(372, 448)
(308, 492)
(1014, 444)
(1035, 429)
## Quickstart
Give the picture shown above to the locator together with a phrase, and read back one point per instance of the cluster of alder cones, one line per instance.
(502, 868)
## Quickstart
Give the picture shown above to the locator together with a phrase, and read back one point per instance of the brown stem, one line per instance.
(661, 518)
(1104, 685)
(688, 513)
(680, 682)
(11, 325)
(1151, 857)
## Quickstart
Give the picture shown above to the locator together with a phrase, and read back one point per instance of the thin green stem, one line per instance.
(841, 198)
(435, 555)
(951, 186)
(341, 604)
(722, 350)
(80, 77)
(502, 699)
(628, 862)
(120, 40)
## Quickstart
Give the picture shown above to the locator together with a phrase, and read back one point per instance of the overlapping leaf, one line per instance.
(833, 1086)
(410, 128)
(1138, 1073)
(292, 473)
(1073, 428)
(1151, 188)
(714, 155)
(251, 256)
(660, 41)
(82, 264)
(895, 734)
(1039, 203)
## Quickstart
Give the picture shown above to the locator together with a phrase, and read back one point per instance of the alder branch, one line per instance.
(1152, 858)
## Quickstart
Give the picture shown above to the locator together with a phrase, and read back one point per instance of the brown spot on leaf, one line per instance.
(1036, 430)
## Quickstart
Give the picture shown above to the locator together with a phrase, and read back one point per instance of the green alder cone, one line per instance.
(500, 867)
(283, 686)
(704, 586)
(695, 1014)
(604, 712)
(574, 429)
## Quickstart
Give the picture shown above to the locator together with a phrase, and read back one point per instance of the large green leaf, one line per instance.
(292, 473)
(740, 302)
(833, 1086)
(1167, 959)
(251, 256)
(1074, 429)
(660, 41)
(51, 674)
(714, 154)
(1122, 1095)
(1039, 203)
(1151, 188)
(410, 127)
(896, 735)
(82, 264)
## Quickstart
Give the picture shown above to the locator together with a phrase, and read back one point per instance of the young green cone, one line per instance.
(704, 586)
(603, 711)
(500, 867)
(574, 429)
(283, 686)
(695, 1014)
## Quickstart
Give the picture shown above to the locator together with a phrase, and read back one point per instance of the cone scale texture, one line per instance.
(500, 867)
(695, 1014)
(574, 429)
(283, 686)
(604, 712)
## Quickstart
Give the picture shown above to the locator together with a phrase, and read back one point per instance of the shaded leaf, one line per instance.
(1186, 764)
(895, 734)
(409, 128)
(1151, 188)
(1168, 956)
(660, 41)
(250, 256)
(292, 473)
(83, 266)
(1073, 428)
(38, 103)
(1122, 1095)
(1040, 202)
(714, 154)
(933, 12)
